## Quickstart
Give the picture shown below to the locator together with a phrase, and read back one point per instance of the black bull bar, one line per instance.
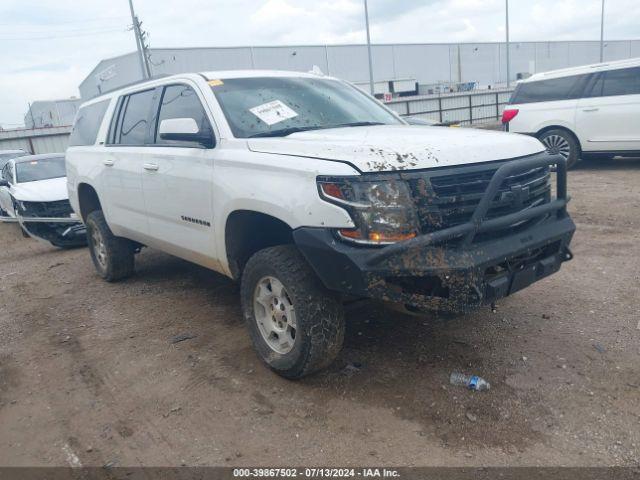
(479, 223)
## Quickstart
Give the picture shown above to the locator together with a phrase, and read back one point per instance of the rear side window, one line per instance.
(625, 81)
(181, 101)
(87, 124)
(565, 88)
(135, 121)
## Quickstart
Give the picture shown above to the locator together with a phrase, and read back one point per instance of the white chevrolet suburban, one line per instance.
(581, 112)
(311, 193)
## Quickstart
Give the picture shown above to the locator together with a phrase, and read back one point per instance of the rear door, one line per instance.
(609, 119)
(124, 165)
(178, 180)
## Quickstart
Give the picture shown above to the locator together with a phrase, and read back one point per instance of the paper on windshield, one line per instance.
(273, 112)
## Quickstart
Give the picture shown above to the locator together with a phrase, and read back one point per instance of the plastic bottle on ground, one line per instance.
(472, 382)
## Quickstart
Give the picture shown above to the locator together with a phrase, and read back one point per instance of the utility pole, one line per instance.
(366, 18)
(508, 52)
(142, 57)
(602, 34)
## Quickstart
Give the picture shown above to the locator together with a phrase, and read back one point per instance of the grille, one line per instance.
(449, 197)
(60, 208)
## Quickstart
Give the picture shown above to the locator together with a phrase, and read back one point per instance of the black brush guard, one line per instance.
(478, 224)
(452, 269)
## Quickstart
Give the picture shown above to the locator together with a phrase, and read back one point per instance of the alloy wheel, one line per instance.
(275, 315)
(99, 248)
(557, 145)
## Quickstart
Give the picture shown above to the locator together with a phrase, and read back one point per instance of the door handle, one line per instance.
(152, 167)
(590, 109)
(108, 163)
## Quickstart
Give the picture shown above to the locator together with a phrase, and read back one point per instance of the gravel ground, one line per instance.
(89, 374)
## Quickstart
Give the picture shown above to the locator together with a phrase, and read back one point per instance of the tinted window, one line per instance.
(135, 124)
(6, 173)
(180, 101)
(87, 124)
(41, 169)
(5, 157)
(565, 88)
(621, 82)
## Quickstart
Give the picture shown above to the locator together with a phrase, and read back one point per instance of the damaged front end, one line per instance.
(54, 222)
(483, 232)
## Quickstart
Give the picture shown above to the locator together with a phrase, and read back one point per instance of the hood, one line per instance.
(49, 190)
(401, 147)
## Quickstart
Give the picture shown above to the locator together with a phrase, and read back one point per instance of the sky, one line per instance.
(48, 47)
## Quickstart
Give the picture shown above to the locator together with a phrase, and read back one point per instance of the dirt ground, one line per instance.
(89, 374)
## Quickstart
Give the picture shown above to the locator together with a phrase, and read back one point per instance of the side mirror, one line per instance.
(184, 130)
(3, 182)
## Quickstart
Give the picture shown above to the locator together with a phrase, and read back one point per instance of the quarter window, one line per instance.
(181, 101)
(135, 122)
(87, 124)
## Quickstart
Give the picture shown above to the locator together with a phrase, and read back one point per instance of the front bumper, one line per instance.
(61, 231)
(448, 270)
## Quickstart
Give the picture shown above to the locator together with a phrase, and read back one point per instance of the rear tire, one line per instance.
(112, 256)
(295, 323)
(561, 142)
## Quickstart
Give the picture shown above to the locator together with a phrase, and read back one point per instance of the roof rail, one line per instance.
(131, 84)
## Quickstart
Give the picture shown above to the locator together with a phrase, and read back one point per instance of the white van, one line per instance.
(311, 193)
(579, 112)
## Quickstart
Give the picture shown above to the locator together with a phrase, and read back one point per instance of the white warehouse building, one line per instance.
(427, 64)
(51, 113)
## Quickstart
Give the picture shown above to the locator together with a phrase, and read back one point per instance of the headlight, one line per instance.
(382, 210)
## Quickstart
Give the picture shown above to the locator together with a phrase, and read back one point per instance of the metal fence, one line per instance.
(466, 108)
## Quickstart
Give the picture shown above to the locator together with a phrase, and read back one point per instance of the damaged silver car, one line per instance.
(33, 192)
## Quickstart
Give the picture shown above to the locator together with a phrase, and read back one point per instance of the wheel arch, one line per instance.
(88, 200)
(249, 231)
(548, 128)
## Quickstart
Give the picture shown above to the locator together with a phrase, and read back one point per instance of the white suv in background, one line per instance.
(310, 193)
(581, 112)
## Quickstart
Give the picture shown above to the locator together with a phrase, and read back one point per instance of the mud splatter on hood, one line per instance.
(400, 147)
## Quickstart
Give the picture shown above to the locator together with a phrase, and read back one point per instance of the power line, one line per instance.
(52, 37)
(66, 22)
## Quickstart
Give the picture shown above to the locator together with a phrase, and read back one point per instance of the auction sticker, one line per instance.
(273, 112)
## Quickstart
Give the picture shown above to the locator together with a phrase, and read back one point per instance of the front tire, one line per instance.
(112, 256)
(560, 142)
(295, 323)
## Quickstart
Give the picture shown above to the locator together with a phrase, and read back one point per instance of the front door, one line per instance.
(609, 119)
(178, 182)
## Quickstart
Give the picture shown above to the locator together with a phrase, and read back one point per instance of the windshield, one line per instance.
(279, 106)
(42, 169)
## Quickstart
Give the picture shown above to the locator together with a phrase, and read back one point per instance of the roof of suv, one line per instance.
(596, 67)
(212, 75)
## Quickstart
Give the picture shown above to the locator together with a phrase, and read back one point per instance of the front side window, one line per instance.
(40, 169)
(279, 106)
(6, 173)
(554, 89)
(87, 124)
(181, 101)
(135, 121)
(625, 81)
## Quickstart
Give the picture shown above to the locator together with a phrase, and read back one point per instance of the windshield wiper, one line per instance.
(283, 132)
(288, 131)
